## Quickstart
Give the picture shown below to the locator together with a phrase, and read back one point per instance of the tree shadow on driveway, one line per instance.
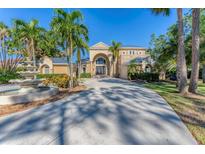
(123, 114)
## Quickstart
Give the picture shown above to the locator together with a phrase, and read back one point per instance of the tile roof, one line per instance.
(131, 46)
(104, 45)
(139, 60)
(60, 60)
(63, 60)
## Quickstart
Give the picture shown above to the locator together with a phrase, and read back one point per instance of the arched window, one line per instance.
(100, 61)
(46, 69)
(84, 69)
(148, 69)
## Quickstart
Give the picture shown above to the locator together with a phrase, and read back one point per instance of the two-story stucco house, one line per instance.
(100, 61)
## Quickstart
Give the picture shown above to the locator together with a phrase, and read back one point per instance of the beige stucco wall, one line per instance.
(100, 49)
(126, 55)
(88, 67)
(96, 53)
(60, 69)
(63, 69)
(123, 71)
(46, 61)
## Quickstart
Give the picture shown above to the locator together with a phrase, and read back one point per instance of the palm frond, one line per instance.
(163, 11)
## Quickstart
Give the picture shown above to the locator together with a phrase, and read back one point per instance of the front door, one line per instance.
(100, 70)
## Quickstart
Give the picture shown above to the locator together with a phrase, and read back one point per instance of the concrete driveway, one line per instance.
(112, 111)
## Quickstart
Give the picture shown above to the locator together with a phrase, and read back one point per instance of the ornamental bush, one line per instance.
(59, 80)
(6, 76)
(85, 75)
(40, 76)
(149, 77)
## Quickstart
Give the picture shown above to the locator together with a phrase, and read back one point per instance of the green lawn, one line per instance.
(191, 111)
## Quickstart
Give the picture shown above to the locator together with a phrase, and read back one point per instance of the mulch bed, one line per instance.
(8, 109)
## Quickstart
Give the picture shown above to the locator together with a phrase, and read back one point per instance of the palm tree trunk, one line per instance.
(67, 58)
(34, 57)
(181, 61)
(195, 50)
(71, 63)
(113, 71)
(162, 75)
(203, 72)
(79, 62)
(117, 70)
(79, 69)
(3, 52)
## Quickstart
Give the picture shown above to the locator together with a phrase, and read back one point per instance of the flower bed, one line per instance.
(59, 80)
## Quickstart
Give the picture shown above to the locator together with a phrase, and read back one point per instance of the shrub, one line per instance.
(149, 77)
(135, 72)
(6, 76)
(59, 80)
(85, 75)
(8, 66)
(21, 69)
(40, 76)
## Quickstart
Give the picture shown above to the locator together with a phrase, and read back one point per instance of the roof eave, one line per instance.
(133, 48)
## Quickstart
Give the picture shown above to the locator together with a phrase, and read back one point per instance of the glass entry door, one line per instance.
(100, 70)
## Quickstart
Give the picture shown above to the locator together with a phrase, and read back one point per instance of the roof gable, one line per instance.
(100, 45)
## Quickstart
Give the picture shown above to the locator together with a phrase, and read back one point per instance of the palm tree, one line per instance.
(202, 57)
(8, 62)
(28, 34)
(69, 27)
(4, 32)
(114, 48)
(181, 61)
(81, 47)
(47, 45)
(3, 54)
(195, 50)
(164, 11)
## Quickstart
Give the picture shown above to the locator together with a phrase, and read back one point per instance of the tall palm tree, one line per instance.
(115, 48)
(195, 50)
(48, 46)
(69, 27)
(164, 11)
(4, 32)
(81, 47)
(29, 34)
(181, 61)
(8, 62)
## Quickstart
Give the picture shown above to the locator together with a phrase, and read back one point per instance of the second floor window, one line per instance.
(100, 61)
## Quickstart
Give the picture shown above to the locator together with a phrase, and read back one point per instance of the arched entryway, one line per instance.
(45, 69)
(101, 65)
(148, 68)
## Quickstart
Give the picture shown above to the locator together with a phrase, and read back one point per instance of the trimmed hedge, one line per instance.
(59, 80)
(149, 77)
(85, 75)
(40, 76)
